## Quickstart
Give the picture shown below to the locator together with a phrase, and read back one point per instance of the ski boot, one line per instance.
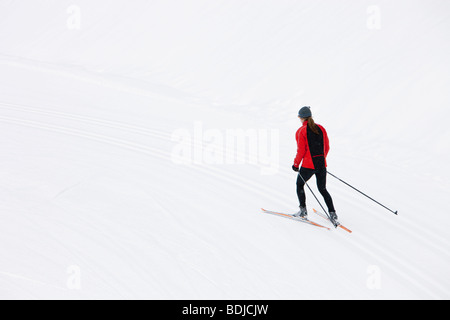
(303, 213)
(334, 218)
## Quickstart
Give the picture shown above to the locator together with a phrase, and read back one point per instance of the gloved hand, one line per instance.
(294, 168)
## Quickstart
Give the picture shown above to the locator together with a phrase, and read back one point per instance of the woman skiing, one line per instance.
(312, 150)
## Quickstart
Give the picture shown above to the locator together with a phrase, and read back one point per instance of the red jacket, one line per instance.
(303, 150)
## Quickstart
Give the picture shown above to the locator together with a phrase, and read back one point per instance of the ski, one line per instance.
(320, 214)
(290, 216)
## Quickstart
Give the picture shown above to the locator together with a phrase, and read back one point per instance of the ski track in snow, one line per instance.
(364, 244)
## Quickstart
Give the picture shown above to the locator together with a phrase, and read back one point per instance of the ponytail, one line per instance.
(312, 125)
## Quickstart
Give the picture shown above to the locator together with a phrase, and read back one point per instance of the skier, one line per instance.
(312, 150)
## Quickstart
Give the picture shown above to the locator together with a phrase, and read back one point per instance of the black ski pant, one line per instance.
(321, 177)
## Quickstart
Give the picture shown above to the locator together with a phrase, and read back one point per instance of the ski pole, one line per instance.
(395, 212)
(315, 197)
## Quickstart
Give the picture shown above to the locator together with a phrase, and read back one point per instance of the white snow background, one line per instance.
(120, 178)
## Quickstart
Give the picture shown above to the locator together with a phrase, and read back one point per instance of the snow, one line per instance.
(141, 138)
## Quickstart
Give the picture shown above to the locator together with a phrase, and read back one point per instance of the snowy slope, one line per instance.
(120, 177)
